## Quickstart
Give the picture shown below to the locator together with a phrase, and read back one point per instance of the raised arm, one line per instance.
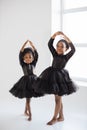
(66, 38)
(22, 49)
(72, 51)
(56, 33)
(35, 53)
(50, 43)
(32, 45)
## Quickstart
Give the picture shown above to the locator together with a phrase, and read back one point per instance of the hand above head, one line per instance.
(60, 33)
(57, 33)
(66, 38)
(22, 48)
(31, 44)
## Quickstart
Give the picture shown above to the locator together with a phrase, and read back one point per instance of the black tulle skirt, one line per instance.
(23, 87)
(54, 81)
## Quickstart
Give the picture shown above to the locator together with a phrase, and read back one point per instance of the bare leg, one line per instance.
(29, 109)
(26, 109)
(58, 102)
(61, 116)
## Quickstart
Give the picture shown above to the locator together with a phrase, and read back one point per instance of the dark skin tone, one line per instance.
(28, 58)
(58, 111)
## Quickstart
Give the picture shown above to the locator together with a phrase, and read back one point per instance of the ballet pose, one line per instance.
(55, 79)
(28, 58)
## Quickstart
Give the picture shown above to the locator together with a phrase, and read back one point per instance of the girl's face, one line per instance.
(28, 58)
(61, 48)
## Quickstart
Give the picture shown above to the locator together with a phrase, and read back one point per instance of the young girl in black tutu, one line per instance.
(28, 57)
(55, 79)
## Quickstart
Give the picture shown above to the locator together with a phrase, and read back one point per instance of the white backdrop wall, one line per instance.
(21, 20)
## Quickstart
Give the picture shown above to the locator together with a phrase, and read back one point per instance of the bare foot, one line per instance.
(53, 121)
(60, 119)
(29, 119)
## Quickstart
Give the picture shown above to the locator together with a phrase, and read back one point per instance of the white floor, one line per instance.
(75, 112)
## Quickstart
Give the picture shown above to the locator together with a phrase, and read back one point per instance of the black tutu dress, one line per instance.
(55, 79)
(23, 87)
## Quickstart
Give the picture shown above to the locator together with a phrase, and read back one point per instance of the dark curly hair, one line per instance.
(64, 41)
(27, 50)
